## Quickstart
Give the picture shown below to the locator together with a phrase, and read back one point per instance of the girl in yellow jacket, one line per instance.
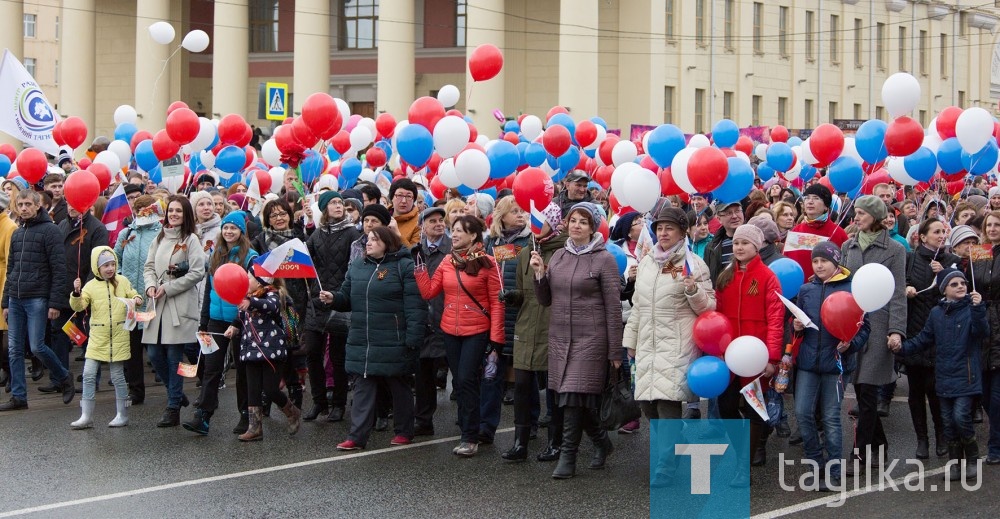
(105, 296)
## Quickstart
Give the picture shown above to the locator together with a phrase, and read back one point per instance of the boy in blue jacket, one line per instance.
(957, 325)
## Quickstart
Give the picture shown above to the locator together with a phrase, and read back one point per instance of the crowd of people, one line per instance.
(409, 288)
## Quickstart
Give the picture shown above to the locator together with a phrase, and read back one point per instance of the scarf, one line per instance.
(821, 219)
(866, 238)
(273, 239)
(509, 235)
(471, 259)
(343, 223)
(576, 250)
(663, 256)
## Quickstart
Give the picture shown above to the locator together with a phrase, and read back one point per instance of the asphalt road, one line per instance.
(48, 470)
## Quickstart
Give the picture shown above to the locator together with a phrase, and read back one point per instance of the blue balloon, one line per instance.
(568, 161)
(949, 156)
(386, 147)
(807, 173)
(511, 126)
(780, 156)
(144, 156)
(600, 122)
(870, 141)
(738, 182)
(590, 152)
(351, 168)
(157, 176)
(620, 257)
(981, 161)
(921, 164)
(125, 131)
(535, 154)
(852, 194)
(503, 157)
(790, 276)
(311, 166)
(725, 133)
(559, 175)
(465, 190)
(663, 144)
(4, 166)
(845, 174)
(563, 120)
(708, 376)
(230, 159)
(195, 163)
(794, 141)
(765, 171)
(415, 145)
(332, 153)
(522, 147)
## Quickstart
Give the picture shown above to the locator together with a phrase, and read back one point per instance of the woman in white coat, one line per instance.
(672, 288)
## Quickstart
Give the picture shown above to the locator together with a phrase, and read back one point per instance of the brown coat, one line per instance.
(585, 329)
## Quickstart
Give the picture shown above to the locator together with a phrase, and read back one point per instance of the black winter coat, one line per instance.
(331, 253)
(36, 263)
(770, 253)
(920, 276)
(78, 251)
(508, 276)
(713, 255)
(433, 347)
(986, 281)
(297, 288)
(262, 334)
(956, 328)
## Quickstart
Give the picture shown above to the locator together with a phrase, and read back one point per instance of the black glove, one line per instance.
(512, 298)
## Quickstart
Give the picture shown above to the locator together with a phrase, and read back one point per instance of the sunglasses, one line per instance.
(956, 284)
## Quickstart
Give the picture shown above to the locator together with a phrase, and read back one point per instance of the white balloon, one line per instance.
(448, 96)
(447, 173)
(932, 127)
(207, 159)
(369, 123)
(872, 286)
(643, 188)
(206, 134)
(699, 141)
(974, 129)
(806, 154)
(345, 109)
(451, 135)
(601, 135)
(619, 179)
(793, 173)
(851, 149)
(746, 356)
(761, 151)
(473, 168)
(678, 169)
(123, 150)
(548, 169)
(622, 152)
(932, 141)
(900, 94)
(162, 32)
(360, 137)
(269, 150)
(125, 114)
(898, 172)
(367, 175)
(278, 178)
(482, 140)
(645, 140)
(531, 127)
(111, 160)
(742, 156)
(195, 41)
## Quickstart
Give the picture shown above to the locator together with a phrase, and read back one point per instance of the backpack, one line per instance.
(290, 323)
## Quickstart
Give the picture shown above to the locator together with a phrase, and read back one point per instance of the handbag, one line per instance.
(618, 407)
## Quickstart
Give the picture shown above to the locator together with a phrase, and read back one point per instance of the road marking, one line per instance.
(223, 477)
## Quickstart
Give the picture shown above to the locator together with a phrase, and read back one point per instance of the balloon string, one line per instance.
(152, 102)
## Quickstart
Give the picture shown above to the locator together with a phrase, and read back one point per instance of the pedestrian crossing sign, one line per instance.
(277, 101)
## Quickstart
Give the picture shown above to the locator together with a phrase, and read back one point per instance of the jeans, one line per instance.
(27, 320)
(90, 369)
(957, 415)
(59, 341)
(165, 358)
(465, 359)
(991, 401)
(826, 392)
(868, 429)
(491, 397)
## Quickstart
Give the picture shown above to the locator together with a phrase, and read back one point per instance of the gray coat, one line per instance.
(179, 310)
(875, 360)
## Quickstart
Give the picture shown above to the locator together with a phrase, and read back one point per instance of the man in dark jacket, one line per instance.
(53, 183)
(35, 277)
(719, 252)
(433, 248)
(574, 190)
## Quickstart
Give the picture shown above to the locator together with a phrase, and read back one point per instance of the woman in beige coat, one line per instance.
(672, 288)
(175, 265)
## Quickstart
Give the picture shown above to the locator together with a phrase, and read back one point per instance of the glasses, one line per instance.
(401, 196)
(956, 284)
(279, 215)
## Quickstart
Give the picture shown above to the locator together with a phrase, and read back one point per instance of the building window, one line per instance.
(29, 25)
(880, 113)
(902, 49)
(963, 20)
(57, 73)
(880, 45)
(730, 9)
(961, 97)
(359, 24)
(923, 52)
(29, 65)
(264, 26)
(755, 110)
(782, 110)
(833, 112)
(922, 117)
(699, 22)
(783, 31)
(858, 39)
(808, 121)
(834, 39)
(758, 27)
(461, 12)
(670, 19)
(668, 105)
(58, 29)
(699, 110)
(857, 110)
(727, 105)
(810, 34)
(944, 55)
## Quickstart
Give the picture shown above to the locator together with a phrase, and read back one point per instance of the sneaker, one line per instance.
(629, 428)
(349, 445)
(466, 449)
(399, 439)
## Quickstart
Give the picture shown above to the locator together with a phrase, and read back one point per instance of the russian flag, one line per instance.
(115, 213)
(537, 218)
(290, 260)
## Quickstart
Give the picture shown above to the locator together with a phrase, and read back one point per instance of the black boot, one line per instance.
(923, 448)
(337, 414)
(882, 408)
(572, 432)
(602, 443)
(940, 445)
(519, 452)
(551, 451)
(171, 418)
(318, 408)
(199, 422)
(955, 459)
(758, 442)
(243, 424)
(265, 407)
(971, 448)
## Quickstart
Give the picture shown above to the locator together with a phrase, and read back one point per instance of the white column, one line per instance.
(396, 66)
(153, 96)
(485, 24)
(578, 45)
(12, 38)
(641, 63)
(78, 44)
(312, 49)
(230, 60)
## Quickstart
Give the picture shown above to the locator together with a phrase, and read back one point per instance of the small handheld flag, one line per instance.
(537, 218)
(115, 213)
(290, 260)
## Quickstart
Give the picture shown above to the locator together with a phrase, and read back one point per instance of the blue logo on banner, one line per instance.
(699, 468)
(36, 114)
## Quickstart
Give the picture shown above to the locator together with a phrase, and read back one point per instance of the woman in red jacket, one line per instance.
(747, 293)
(472, 320)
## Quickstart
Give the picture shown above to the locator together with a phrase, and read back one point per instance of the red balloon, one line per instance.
(303, 133)
(251, 157)
(57, 134)
(512, 138)
(744, 144)
(667, 184)
(647, 163)
(341, 142)
(602, 175)
(586, 133)
(176, 105)
(953, 177)
(84, 163)
(163, 146)
(779, 134)
(231, 283)
(320, 112)
(903, 136)
(434, 162)
(473, 132)
(841, 315)
(8, 150)
(81, 190)
(101, 173)
(426, 111)
(533, 185)
(556, 140)
(139, 136)
(263, 181)
(707, 169)
(946, 121)
(603, 229)
(712, 333)
(604, 150)
(552, 111)
(31, 165)
(183, 126)
(375, 156)
(74, 131)
(879, 177)
(247, 136)
(437, 188)
(485, 63)
(826, 144)
(231, 129)
(616, 206)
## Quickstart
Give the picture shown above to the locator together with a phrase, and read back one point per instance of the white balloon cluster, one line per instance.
(194, 41)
